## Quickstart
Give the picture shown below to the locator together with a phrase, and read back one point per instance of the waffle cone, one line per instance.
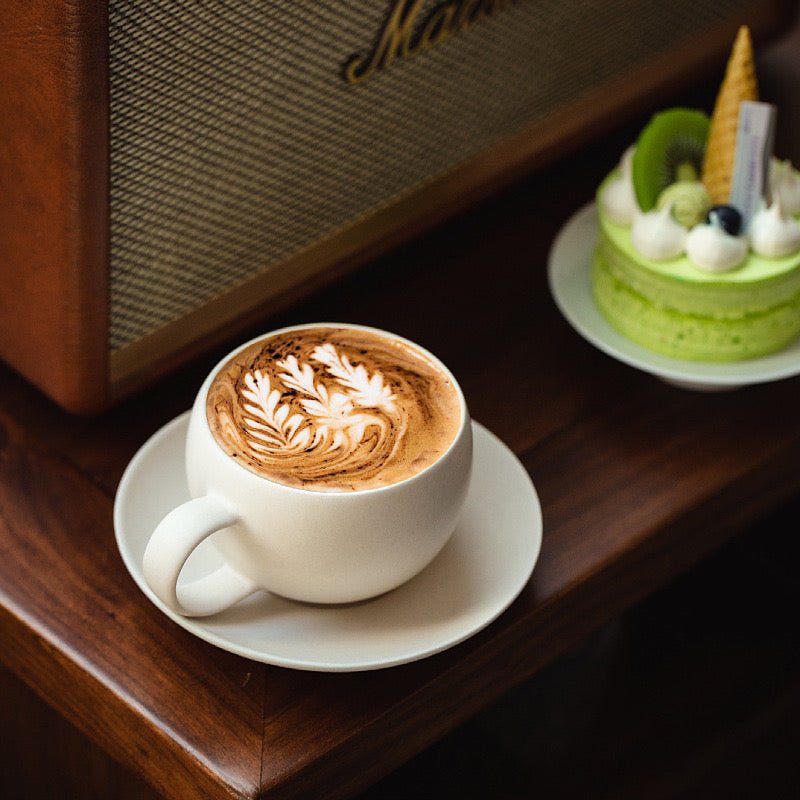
(738, 84)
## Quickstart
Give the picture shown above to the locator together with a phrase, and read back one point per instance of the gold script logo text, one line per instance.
(406, 32)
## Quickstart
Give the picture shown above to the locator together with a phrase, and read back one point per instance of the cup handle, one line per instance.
(171, 544)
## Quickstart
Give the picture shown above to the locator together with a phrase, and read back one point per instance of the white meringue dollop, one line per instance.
(785, 186)
(619, 198)
(711, 248)
(657, 235)
(773, 233)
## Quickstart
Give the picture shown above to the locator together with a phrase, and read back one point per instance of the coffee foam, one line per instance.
(333, 409)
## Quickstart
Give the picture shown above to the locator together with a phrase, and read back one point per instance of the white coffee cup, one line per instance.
(320, 547)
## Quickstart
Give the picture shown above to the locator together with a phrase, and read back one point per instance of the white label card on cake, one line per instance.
(755, 135)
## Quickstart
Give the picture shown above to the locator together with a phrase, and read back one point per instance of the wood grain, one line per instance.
(76, 630)
(694, 693)
(54, 196)
(633, 493)
(44, 757)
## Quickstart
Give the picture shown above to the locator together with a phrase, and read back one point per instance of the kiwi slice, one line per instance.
(670, 148)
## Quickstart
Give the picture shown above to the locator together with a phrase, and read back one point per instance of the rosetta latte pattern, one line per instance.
(336, 416)
(333, 409)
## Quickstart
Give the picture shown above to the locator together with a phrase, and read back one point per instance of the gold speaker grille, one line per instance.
(235, 141)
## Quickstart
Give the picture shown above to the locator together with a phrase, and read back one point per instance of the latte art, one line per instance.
(334, 409)
(333, 420)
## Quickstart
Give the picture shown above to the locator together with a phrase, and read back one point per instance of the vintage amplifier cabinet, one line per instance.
(169, 169)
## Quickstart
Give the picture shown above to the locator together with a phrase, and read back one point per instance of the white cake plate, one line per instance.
(569, 274)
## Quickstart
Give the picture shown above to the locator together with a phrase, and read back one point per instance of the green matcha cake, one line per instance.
(699, 244)
(672, 307)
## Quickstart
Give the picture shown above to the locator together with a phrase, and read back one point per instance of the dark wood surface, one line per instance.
(694, 694)
(638, 481)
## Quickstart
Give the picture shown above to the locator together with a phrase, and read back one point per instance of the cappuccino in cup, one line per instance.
(326, 463)
(333, 409)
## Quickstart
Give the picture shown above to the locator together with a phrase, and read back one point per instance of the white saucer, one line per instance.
(476, 576)
(569, 273)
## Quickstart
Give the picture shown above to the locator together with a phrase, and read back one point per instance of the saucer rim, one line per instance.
(196, 627)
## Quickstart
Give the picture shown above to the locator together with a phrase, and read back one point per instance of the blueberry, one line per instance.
(727, 217)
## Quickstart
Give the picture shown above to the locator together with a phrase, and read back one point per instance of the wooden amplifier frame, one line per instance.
(54, 199)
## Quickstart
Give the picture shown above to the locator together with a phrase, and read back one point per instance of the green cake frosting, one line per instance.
(674, 308)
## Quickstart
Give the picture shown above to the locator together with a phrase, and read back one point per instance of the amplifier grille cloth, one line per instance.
(235, 142)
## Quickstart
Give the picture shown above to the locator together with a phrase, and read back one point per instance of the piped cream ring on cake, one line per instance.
(755, 287)
(677, 309)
